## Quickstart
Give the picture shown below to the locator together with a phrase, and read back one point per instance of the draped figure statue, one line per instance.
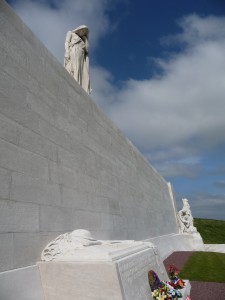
(185, 218)
(76, 59)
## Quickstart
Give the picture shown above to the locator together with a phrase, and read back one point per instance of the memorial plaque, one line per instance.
(133, 273)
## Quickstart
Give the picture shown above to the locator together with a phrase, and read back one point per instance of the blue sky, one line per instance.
(158, 71)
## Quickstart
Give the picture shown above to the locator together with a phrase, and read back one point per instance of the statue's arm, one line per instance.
(86, 45)
(182, 215)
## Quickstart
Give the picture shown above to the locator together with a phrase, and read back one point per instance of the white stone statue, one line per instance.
(76, 59)
(65, 244)
(80, 245)
(185, 218)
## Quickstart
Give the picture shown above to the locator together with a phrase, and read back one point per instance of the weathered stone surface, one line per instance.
(8, 130)
(18, 217)
(60, 277)
(54, 218)
(6, 252)
(20, 160)
(5, 181)
(34, 190)
(36, 143)
(21, 284)
(33, 242)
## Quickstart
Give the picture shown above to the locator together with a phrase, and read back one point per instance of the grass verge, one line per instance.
(205, 266)
(212, 231)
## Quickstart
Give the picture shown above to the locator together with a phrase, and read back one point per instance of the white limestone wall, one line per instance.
(63, 163)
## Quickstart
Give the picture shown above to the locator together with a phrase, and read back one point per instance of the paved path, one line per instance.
(199, 290)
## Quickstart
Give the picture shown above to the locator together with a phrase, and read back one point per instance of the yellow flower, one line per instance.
(155, 293)
(161, 296)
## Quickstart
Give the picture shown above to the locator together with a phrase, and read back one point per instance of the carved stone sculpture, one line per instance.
(185, 218)
(76, 59)
(66, 244)
(79, 245)
(76, 266)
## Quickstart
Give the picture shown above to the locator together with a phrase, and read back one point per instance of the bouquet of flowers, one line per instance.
(173, 272)
(161, 293)
(163, 290)
(166, 293)
(176, 282)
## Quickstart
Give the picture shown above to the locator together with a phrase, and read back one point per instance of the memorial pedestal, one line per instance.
(111, 271)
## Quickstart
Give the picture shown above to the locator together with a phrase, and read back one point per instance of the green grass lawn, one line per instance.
(205, 266)
(212, 231)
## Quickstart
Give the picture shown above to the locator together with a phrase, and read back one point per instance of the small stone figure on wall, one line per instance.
(76, 59)
(185, 218)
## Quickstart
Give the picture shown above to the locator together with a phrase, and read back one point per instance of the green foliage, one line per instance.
(205, 266)
(212, 231)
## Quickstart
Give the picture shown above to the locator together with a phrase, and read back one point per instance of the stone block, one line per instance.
(69, 160)
(86, 183)
(12, 88)
(6, 252)
(75, 126)
(34, 190)
(27, 247)
(54, 134)
(76, 198)
(87, 220)
(18, 217)
(62, 175)
(68, 281)
(35, 63)
(36, 104)
(106, 204)
(22, 284)
(8, 130)
(9, 46)
(50, 77)
(14, 69)
(107, 222)
(11, 108)
(37, 144)
(56, 219)
(5, 181)
(17, 159)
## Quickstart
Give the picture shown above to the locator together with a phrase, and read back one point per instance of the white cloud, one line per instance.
(196, 29)
(51, 23)
(208, 205)
(103, 89)
(182, 111)
(187, 102)
(189, 167)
